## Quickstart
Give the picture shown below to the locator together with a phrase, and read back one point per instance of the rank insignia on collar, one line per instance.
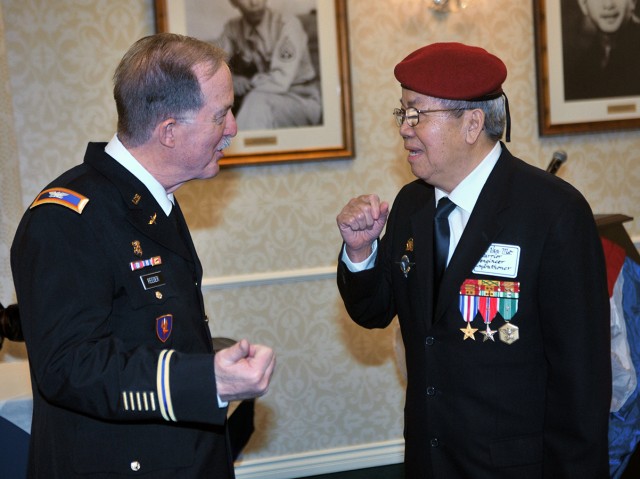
(63, 197)
(164, 325)
(152, 220)
(136, 199)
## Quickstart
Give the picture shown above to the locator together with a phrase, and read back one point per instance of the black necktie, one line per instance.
(441, 235)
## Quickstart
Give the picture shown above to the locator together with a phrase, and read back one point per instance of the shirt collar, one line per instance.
(117, 150)
(468, 190)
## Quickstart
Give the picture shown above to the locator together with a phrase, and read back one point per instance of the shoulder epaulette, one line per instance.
(63, 197)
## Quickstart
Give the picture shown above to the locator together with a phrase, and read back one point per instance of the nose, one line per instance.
(405, 130)
(231, 126)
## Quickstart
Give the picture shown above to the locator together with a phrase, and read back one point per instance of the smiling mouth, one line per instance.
(413, 152)
(610, 18)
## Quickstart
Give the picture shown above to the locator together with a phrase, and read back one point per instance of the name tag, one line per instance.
(499, 260)
(152, 280)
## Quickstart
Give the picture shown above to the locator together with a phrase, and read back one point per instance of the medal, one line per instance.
(469, 332)
(490, 297)
(509, 333)
(488, 333)
(469, 309)
(488, 310)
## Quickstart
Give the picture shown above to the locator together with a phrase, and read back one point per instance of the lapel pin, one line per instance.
(405, 265)
(152, 220)
(409, 246)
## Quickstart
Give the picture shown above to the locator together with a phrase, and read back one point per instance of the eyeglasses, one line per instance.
(412, 115)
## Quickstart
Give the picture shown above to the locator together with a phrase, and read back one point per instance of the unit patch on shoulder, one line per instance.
(63, 197)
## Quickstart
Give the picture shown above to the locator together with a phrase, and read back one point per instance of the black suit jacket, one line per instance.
(486, 409)
(121, 358)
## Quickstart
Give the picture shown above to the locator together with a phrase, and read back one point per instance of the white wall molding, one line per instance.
(287, 276)
(270, 277)
(326, 461)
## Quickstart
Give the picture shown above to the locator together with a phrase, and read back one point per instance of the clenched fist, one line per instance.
(360, 223)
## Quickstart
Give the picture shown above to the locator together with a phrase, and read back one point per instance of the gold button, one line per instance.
(158, 295)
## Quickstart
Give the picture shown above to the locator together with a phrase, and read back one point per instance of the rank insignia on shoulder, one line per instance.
(61, 196)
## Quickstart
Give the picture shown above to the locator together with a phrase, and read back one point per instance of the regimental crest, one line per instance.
(164, 326)
(137, 247)
(63, 197)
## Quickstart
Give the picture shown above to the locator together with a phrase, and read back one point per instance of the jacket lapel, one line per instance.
(422, 230)
(485, 223)
(144, 213)
(184, 230)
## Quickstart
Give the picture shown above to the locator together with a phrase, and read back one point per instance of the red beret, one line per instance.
(452, 71)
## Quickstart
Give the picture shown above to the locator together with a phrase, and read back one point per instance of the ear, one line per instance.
(474, 125)
(166, 132)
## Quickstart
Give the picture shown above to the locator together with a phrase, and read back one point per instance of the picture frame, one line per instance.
(595, 105)
(332, 137)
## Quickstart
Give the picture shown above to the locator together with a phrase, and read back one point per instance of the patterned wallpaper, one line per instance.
(336, 384)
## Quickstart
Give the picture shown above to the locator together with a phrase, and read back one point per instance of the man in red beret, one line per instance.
(500, 290)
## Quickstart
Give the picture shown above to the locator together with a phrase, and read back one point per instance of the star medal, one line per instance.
(468, 308)
(488, 310)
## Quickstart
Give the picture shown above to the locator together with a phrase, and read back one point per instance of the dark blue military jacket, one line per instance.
(119, 348)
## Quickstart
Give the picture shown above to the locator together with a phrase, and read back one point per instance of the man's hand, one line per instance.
(360, 222)
(243, 371)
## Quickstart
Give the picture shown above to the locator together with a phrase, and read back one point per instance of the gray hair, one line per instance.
(494, 113)
(155, 80)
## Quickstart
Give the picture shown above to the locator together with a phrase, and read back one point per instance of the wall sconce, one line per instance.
(448, 5)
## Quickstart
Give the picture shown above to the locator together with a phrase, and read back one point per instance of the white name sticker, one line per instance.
(499, 260)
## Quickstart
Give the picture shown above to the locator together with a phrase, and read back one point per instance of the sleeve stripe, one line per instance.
(163, 385)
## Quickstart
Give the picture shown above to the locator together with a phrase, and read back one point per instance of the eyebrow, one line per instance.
(410, 104)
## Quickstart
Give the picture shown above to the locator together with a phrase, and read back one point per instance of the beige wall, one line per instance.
(336, 385)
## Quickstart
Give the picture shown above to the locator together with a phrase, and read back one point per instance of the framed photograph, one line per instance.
(290, 65)
(588, 66)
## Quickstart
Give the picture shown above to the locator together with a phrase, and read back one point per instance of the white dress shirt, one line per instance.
(119, 153)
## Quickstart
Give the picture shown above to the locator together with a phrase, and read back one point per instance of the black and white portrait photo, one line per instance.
(601, 49)
(272, 49)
